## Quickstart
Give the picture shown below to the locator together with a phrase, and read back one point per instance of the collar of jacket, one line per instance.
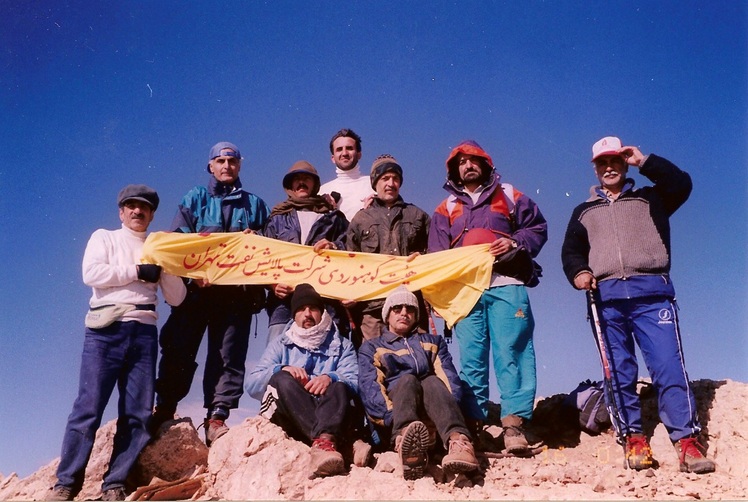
(399, 202)
(391, 337)
(218, 189)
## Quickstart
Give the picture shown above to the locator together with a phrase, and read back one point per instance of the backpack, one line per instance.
(588, 399)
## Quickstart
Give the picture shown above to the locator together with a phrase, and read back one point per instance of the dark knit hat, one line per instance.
(304, 295)
(302, 167)
(385, 163)
(142, 193)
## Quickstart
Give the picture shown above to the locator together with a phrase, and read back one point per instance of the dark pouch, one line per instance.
(518, 263)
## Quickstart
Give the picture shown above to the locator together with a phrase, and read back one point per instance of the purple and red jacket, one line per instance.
(457, 214)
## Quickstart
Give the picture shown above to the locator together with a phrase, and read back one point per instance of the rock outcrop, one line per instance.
(257, 460)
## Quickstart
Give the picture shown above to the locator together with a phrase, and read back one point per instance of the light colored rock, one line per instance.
(256, 460)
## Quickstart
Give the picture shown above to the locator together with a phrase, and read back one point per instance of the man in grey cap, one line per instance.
(389, 225)
(226, 311)
(120, 346)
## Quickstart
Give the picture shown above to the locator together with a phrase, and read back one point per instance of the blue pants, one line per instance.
(501, 322)
(122, 354)
(652, 324)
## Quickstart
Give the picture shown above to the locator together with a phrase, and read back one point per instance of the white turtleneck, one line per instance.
(353, 186)
(110, 268)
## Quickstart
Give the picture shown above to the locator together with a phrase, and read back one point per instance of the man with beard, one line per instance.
(482, 209)
(306, 379)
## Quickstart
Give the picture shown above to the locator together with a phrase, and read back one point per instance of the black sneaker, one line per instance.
(160, 416)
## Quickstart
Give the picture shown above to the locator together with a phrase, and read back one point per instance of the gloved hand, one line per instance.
(148, 272)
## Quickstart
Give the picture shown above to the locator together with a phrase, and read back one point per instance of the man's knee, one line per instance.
(282, 380)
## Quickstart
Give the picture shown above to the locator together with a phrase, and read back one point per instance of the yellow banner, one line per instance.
(451, 281)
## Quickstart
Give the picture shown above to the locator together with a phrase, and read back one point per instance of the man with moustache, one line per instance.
(350, 185)
(309, 219)
(225, 311)
(407, 377)
(482, 209)
(306, 379)
(617, 246)
(389, 225)
(120, 346)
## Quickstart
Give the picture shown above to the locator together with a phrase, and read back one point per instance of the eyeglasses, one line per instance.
(410, 309)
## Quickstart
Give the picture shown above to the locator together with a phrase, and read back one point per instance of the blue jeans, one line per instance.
(500, 323)
(122, 354)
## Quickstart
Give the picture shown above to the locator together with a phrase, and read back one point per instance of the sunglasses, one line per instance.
(410, 309)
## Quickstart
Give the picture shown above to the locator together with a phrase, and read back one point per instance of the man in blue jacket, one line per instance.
(617, 244)
(309, 219)
(306, 379)
(407, 377)
(226, 311)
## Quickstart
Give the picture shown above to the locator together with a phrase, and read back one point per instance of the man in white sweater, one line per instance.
(120, 346)
(350, 188)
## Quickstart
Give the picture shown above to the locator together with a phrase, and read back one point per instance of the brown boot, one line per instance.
(692, 456)
(412, 446)
(461, 456)
(638, 453)
(514, 436)
(326, 460)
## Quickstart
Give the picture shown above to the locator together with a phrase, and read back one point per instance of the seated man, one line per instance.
(306, 379)
(407, 377)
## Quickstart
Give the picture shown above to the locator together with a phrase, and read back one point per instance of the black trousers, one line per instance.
(412, 399)
(305, 416)
(226, 312)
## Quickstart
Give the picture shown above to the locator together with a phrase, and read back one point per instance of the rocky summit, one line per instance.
(257, 460)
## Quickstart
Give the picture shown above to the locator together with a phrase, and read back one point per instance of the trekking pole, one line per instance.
(607, 379)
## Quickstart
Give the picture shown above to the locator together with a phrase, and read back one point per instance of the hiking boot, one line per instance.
(461, 456)
(515, 441)
(692, 456)
(214, 428)
(638, 453)
(159, 416)
(60, 493)
(412, 446)
(326, 460)
(116, 493)
(361, 453)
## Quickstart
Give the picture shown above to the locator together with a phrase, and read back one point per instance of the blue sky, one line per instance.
(96, 95)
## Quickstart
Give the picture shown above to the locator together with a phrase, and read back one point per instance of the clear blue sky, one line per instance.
(96, 95)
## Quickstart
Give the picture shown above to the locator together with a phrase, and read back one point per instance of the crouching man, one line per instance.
(406, 378)
(306, 380)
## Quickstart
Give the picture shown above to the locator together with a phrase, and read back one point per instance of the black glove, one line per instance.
(149, 273)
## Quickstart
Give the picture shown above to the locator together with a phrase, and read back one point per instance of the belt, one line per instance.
(148, 306)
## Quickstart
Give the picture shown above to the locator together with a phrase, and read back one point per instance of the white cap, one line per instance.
(609, 145)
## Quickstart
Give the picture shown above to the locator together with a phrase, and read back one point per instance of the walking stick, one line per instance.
(607, 379)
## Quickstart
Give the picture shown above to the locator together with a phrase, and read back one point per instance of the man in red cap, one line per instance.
(617, 245)
(501, 321)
